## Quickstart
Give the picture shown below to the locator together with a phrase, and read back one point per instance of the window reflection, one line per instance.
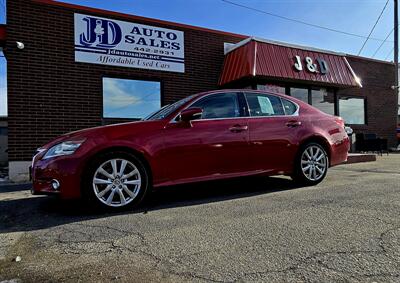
(299, 93)
(352, 110)
(324, 100)
(130, 98)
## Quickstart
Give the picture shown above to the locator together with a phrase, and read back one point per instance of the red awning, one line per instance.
(257, 58)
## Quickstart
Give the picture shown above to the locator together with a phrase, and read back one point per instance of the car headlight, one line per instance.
(64, 148)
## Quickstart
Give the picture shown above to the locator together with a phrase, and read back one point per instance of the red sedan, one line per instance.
(208, 136)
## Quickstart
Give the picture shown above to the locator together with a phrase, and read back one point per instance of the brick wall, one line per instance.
(377, 79)
(50, 94)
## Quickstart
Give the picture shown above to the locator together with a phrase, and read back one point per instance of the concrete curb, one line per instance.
(359, 157)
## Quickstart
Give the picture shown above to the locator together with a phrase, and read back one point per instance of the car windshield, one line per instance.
(167, 109)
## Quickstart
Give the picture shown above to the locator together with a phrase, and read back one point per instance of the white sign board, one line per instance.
(111, 42)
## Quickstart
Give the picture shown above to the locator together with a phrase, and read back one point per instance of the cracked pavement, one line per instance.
(346, 229)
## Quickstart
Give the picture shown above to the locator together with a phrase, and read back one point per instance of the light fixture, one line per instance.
(20, 45)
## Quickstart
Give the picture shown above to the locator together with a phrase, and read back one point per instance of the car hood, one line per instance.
(114, 131)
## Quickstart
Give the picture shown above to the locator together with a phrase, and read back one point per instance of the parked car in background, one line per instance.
(208, 136)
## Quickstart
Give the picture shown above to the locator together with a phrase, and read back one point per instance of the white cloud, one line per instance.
(115, 95)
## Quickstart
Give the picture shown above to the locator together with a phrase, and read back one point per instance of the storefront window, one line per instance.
(131, 99)
(324, 100)
(299, 93)
(352, 110)
(272, 88)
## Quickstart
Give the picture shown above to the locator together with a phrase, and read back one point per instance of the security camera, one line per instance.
(20, 45)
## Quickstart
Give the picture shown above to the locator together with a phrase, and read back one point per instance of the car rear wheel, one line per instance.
(116, 180)
(311, 164)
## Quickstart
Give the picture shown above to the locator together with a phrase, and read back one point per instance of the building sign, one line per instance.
(118, 43)
(321, 66)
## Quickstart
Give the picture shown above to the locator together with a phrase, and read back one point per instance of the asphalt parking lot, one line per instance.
(252, 229)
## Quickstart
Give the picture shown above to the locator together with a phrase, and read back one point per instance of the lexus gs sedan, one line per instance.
(207, 136)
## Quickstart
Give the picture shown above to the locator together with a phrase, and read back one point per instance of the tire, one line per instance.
(115, 181)
(310, 169)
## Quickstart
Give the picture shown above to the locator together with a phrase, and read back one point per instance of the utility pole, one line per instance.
(396, 53)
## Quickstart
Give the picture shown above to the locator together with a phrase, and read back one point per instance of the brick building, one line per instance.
(73, 57)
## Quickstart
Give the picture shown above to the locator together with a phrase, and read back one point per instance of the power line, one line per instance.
(390, 53)
(383, 42)
(300, 21)
(373, 28)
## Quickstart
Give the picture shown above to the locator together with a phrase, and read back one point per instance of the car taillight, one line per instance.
(339, 121)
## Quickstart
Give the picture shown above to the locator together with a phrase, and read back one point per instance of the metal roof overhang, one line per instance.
(273, 60)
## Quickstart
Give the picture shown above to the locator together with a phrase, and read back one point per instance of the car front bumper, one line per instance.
(56, 176)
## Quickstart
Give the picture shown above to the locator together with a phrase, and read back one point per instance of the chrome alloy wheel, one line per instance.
(117, 182)
(314, 163)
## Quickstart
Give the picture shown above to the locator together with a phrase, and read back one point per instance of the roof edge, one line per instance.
(370, 59)
(133, 17)
(285, 44)
(303, 47)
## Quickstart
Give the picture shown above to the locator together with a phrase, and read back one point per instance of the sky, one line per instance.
(352, 16)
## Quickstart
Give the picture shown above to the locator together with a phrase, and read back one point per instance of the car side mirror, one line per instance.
(190, 114)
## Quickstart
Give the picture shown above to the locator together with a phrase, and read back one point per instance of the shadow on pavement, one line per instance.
(8, 188)
(33, 213)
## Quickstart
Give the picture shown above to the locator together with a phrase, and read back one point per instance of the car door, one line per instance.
(213, 145)
(273, 127)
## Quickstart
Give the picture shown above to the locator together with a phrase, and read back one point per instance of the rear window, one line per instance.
(261, 104)
(289, 107)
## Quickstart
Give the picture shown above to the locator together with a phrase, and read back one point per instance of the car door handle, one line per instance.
(238, 128)
(293, 124)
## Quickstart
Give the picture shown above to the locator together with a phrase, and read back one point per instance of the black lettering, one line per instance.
(175, 46)
(165, 44)
(171, 35)
(136, 30)
(153, 44)
(159, 33)
(141, 41)
(129, 39)
(147, 32)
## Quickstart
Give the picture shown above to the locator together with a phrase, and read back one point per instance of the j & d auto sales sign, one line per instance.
(118, 43)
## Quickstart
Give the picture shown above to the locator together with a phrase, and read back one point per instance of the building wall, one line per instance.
(50, 94)
(377, 79)
(3, 142)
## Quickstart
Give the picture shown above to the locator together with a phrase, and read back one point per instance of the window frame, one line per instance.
(240, 105)
(106, 120)
(236, 94)
(295, 113)
(356, 97)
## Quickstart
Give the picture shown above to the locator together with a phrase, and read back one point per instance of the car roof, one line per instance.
(233, 90)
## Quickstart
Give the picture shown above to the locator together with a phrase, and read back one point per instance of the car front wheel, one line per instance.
(311, 165)
(116, 180)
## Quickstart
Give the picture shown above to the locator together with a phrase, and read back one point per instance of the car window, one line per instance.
(261, 104)
(289, 107)
(220, 105)
(167, 109)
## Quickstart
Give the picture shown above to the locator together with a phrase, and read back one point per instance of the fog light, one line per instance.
(55, 184)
